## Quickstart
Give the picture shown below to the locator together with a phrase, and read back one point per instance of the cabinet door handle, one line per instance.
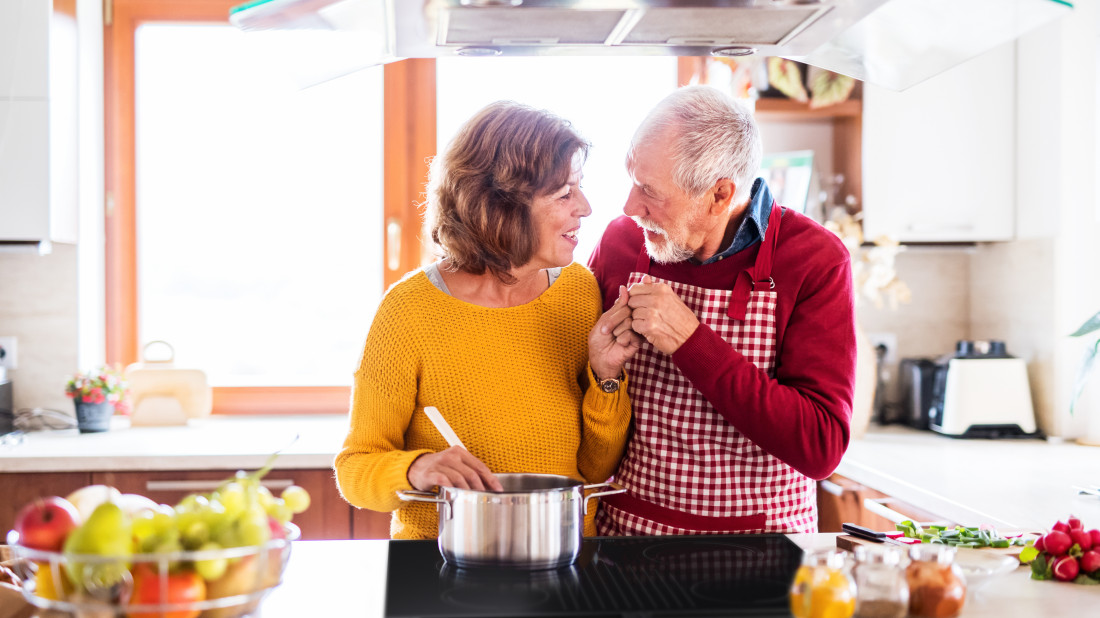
(830, 487)
(939, 227)
(208, 486)
(876, 506)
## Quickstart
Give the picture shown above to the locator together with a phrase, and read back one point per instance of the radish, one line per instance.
(1066, 569)
(1039, 544)
(1073, 523)
(1095, 534)
(1090, 561)
(1061, 526)
(1082, 538)
(1056, 542)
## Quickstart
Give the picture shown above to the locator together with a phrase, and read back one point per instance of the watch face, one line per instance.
(609, 386)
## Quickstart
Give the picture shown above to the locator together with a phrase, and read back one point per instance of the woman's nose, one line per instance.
(584, 208)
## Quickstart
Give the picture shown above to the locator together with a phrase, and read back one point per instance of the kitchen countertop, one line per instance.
(1025, 484)
(348, 578)
(212, 443)
(1008, 483)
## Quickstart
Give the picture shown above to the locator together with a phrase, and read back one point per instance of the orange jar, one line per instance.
(823, 586)
(937, 588)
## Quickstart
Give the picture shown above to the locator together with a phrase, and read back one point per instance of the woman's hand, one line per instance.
(612, 341)
(454, 467)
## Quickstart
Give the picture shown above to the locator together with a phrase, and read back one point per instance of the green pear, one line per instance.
(107, 533)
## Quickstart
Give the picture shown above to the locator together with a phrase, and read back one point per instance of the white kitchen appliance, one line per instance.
(982, 392)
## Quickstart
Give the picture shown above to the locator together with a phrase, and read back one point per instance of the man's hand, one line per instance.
(454, 467)
(612, 342)
(660, 316)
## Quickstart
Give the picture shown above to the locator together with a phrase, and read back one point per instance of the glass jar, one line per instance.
(882, 590)
(823, 586)
(937, 588)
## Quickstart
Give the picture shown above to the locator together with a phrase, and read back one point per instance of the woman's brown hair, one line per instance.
(483, 185)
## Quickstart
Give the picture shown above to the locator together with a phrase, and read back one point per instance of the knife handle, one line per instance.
(865, 533)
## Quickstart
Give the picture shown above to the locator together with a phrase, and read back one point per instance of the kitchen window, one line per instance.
(253, 225)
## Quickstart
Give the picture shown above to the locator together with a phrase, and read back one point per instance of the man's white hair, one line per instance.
(715, 137)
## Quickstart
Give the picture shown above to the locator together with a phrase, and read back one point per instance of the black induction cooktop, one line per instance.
(635, 577)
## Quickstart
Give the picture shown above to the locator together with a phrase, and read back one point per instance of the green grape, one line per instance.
(263, 495)
(253, 527)
(233, 498)
(296, 498)
(192, 502)
(280, 511)
(144, 529)
(212, 568)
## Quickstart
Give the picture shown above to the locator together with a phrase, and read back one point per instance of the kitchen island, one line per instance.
(348, 578)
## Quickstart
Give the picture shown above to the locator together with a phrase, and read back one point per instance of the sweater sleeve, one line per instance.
(373, 465)
(802, 415)
(605, 419)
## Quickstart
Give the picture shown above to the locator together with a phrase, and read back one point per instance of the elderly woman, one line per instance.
(504, 335)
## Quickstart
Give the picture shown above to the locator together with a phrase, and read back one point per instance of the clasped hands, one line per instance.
(647, 309)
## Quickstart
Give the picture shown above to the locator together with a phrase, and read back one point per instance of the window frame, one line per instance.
(409, 136)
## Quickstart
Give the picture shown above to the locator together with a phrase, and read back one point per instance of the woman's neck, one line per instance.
(486, 290)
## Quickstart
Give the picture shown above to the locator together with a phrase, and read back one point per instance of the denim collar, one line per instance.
(753, 225)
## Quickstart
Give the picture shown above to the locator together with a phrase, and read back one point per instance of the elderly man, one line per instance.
(742, 391)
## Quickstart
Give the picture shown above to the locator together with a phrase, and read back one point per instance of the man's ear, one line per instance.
(721, 195)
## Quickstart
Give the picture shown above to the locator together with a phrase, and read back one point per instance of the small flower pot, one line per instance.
(93, 417)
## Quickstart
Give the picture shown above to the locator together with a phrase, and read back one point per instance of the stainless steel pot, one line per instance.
(537, 522)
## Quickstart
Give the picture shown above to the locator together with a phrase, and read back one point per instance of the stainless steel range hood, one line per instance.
(893, 43)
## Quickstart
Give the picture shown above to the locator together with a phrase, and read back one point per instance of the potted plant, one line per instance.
(1090, 326)
(98, 395)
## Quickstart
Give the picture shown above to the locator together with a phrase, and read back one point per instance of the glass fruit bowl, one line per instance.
(233, 582)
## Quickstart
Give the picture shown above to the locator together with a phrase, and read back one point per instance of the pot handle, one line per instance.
(615, 489)
(414, 495)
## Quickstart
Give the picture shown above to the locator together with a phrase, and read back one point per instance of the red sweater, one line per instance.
(801, 415)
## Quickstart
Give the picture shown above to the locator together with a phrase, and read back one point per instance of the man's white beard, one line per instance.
(670, 252)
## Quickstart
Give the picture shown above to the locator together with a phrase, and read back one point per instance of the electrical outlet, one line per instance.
(890, 340)
(7, 359)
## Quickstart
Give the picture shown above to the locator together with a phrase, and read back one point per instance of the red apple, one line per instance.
(45, 522)
(277, 529)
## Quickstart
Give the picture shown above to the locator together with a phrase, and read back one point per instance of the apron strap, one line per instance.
(761, 270)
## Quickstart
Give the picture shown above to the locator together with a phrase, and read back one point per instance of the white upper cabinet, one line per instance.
(38, 121)
(939, 159)
(24, 39)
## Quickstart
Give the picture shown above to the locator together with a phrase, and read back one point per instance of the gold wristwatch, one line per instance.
(610, 385)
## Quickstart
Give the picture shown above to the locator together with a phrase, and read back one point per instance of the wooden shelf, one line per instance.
(788, 110)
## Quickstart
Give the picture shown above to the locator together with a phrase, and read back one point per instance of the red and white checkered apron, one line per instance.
(687, 469)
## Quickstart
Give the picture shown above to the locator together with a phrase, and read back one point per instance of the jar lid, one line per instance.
(832, 558)
(929, 552)
(889, 555)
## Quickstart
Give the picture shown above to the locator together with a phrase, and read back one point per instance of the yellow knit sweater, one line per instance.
(512, 382)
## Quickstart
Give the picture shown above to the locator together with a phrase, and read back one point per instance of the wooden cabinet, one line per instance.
(17, 490)
(842, 500)
(328, 517)
(38, 121)
(939, 159)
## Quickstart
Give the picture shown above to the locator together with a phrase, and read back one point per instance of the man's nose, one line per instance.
(633, 206)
